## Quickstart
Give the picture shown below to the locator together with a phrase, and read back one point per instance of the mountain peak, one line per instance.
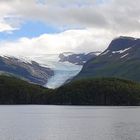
(123, 42)
(77, 58)
(120, 59)
(126, 38)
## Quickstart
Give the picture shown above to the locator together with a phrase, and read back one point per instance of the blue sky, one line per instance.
(65, 25)
(36, 27)
(29, 29)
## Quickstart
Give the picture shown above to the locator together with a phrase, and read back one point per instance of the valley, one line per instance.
(105, 79)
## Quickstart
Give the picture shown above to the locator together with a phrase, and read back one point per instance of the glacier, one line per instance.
(62, 75)
(62, 70)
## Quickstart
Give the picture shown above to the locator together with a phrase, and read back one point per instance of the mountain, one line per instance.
(30, 71)
(100, 91)
(120, 59)
(75, 58)
(62, 70)
(42, 69)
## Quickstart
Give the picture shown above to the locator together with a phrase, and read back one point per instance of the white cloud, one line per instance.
(7, 18)
(5, 27)
(114, 15)
(101, 21)
(71, 40)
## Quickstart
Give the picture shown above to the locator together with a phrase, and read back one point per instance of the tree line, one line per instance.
(91, 91)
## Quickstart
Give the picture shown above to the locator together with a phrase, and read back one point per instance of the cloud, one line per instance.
(99, 20)
(5, 10)
(5, 27)
(67, 41)
(115, 15)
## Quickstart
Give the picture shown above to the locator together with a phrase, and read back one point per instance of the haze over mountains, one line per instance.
(39, 30)
(106, 79)
(121, 59)
(46, 69)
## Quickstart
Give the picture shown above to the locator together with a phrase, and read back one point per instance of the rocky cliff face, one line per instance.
(78, 59)
(30, 71)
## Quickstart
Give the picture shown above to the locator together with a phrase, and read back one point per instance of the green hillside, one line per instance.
(100, 91)
(129, 69)
(17, 91)
(121, 59)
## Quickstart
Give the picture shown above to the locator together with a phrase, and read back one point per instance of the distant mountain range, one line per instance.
(120, 59)
(48, 70)
(77, 58)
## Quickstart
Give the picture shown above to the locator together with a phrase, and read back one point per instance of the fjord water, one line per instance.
(69, 123)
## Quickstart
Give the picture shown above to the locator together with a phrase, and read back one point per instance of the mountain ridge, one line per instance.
(30, 71)
(77, 58)
(120, 59)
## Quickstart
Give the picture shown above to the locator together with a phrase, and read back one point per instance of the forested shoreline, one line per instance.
(92, 91)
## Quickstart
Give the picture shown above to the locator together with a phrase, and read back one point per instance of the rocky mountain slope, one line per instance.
(120, 59)
(77, 58)
(30, 71)
(42, 69)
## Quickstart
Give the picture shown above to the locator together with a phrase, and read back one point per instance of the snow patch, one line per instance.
(20, 59)
(84, 61)
(77, 56)
(124, 55)
(66, 54)
(25, 60)
(105, 52)
(121, 51)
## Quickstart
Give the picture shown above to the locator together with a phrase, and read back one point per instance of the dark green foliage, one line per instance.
(129, 69)
(16, 91)
(100, 91)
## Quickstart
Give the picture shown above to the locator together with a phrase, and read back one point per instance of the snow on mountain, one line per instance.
(124, 55)
(27, 70)
(116, 52)
(62, 73)
(121, 51)
(121, 59)
(77, 59)
(104, 53)
(67, 53)
(62, 70)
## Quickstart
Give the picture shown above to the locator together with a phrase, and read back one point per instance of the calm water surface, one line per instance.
(69, 123)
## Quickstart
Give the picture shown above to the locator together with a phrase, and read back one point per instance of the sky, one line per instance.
(53, 26)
